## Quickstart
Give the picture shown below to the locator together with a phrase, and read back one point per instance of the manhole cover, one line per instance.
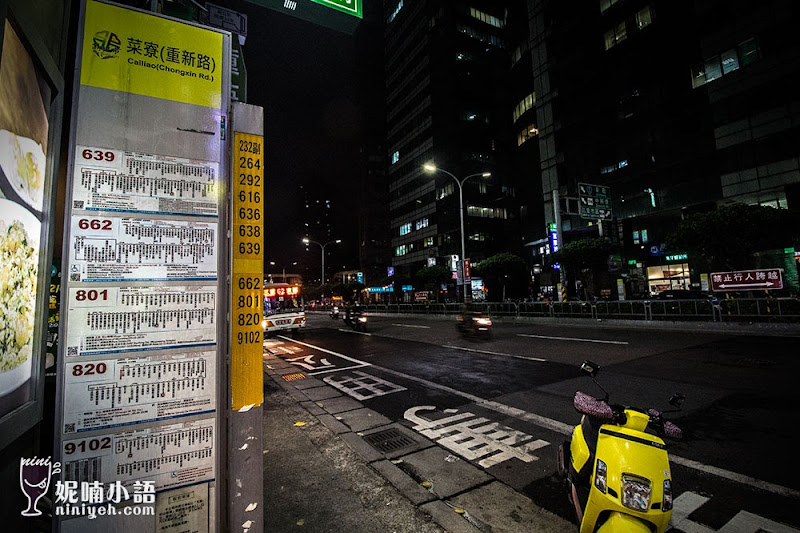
(389, 440)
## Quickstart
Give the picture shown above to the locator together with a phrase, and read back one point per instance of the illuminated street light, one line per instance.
(284, 269)
(431, 169)
(306, 240)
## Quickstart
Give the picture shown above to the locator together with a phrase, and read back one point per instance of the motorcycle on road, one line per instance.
(334, 312)
(356, 319)
(616, 465)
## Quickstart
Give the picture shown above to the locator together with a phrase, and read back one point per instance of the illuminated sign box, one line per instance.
(338, 15)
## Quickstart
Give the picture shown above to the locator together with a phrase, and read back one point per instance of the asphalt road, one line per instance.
(734, 469)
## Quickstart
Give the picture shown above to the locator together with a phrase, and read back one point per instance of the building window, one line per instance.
(613, 168)
(401, 250)
(615, 35)
(605, 4)
(478, 237)
(421, 223)
(484, 17)
(726, 62)
(644, 17)
(405, 229)
(396, 157)
(446, 191)
(527, 133)
(428, 242)
(486, 212)
(526, 103)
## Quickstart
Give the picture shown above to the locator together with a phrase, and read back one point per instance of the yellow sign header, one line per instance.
(139, 53)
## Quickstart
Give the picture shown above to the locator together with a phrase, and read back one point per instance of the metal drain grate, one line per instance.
(389, 440)
(293, 377)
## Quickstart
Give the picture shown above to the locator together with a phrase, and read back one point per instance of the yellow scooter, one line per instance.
(616, 465)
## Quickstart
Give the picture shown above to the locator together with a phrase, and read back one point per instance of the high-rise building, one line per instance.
(447, 105)
(671, 108)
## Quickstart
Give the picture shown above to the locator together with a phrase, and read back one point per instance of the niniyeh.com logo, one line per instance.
(106, 44)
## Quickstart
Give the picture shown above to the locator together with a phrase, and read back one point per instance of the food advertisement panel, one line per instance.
(24, 102)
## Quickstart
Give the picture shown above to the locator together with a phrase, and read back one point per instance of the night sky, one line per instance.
(310, 82)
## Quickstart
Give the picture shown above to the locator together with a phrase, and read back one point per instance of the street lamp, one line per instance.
(306, 240)
(431, 168)
(284, 269)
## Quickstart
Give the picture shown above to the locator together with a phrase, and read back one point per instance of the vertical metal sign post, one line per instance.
(142, 372)
(245, 423)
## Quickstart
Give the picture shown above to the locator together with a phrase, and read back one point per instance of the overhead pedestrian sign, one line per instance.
(747, 280)
(594, 201)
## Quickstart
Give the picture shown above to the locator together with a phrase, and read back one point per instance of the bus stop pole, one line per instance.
(245, 472)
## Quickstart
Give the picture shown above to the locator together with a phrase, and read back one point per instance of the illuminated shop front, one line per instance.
(670, 276)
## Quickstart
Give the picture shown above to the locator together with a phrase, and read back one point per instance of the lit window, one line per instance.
(730, 61)
(428, 242)
(527, 133)
(483, 17)
(635, 237)
(525, 104)
(712, 68)
(395, 157)
(405, 229)
(644, 17)
(605, 4)
(421, 223)
(446, 191)
(401, 250)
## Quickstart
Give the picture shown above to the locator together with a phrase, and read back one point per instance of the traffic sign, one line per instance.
(747, 280)
(594, 201)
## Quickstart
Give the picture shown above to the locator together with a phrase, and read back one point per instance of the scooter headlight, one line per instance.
(362, 319)
(483, 321)
(636, 492)
(666, 505)
(600, 476)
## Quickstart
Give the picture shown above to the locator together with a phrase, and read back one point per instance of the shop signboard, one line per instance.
(747, 280)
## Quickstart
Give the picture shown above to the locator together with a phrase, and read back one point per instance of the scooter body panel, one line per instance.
(623, 522)
(627, 451)
(578, 449)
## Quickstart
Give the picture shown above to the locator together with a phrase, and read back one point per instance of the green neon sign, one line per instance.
(677, 257)
(351, 7)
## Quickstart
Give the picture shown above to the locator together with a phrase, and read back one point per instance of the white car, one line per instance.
(290, 319)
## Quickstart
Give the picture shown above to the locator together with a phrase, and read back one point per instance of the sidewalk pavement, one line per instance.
(321, 475)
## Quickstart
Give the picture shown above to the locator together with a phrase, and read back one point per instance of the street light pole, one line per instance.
(322, 246)
(283, 278)
(431, 168)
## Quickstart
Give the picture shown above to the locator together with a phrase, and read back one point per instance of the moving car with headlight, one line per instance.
(474, 323)
(283, 309)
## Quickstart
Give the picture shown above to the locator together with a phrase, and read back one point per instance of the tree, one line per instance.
(432, 277)
(727, 237)
(589, 253)
(502, 272)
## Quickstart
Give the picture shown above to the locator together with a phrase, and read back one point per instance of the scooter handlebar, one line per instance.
(672, 431)
(593, 407)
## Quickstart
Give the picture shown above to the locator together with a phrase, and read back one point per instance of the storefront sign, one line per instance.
(747, 280)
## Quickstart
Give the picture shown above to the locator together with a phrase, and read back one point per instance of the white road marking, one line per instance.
(411, 326)
(493, 353)
(576, 339)
(743, 522)
(565, 429)
(363, 386)
(354, 331)
(473, 437)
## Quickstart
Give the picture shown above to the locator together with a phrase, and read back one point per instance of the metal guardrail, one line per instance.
(785, 310)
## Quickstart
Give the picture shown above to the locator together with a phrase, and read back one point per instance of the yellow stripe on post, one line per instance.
(247, 300)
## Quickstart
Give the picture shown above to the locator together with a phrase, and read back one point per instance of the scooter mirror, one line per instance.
(677, 399)
(590, 368)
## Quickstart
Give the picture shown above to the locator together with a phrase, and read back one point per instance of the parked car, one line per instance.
(683, 294)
